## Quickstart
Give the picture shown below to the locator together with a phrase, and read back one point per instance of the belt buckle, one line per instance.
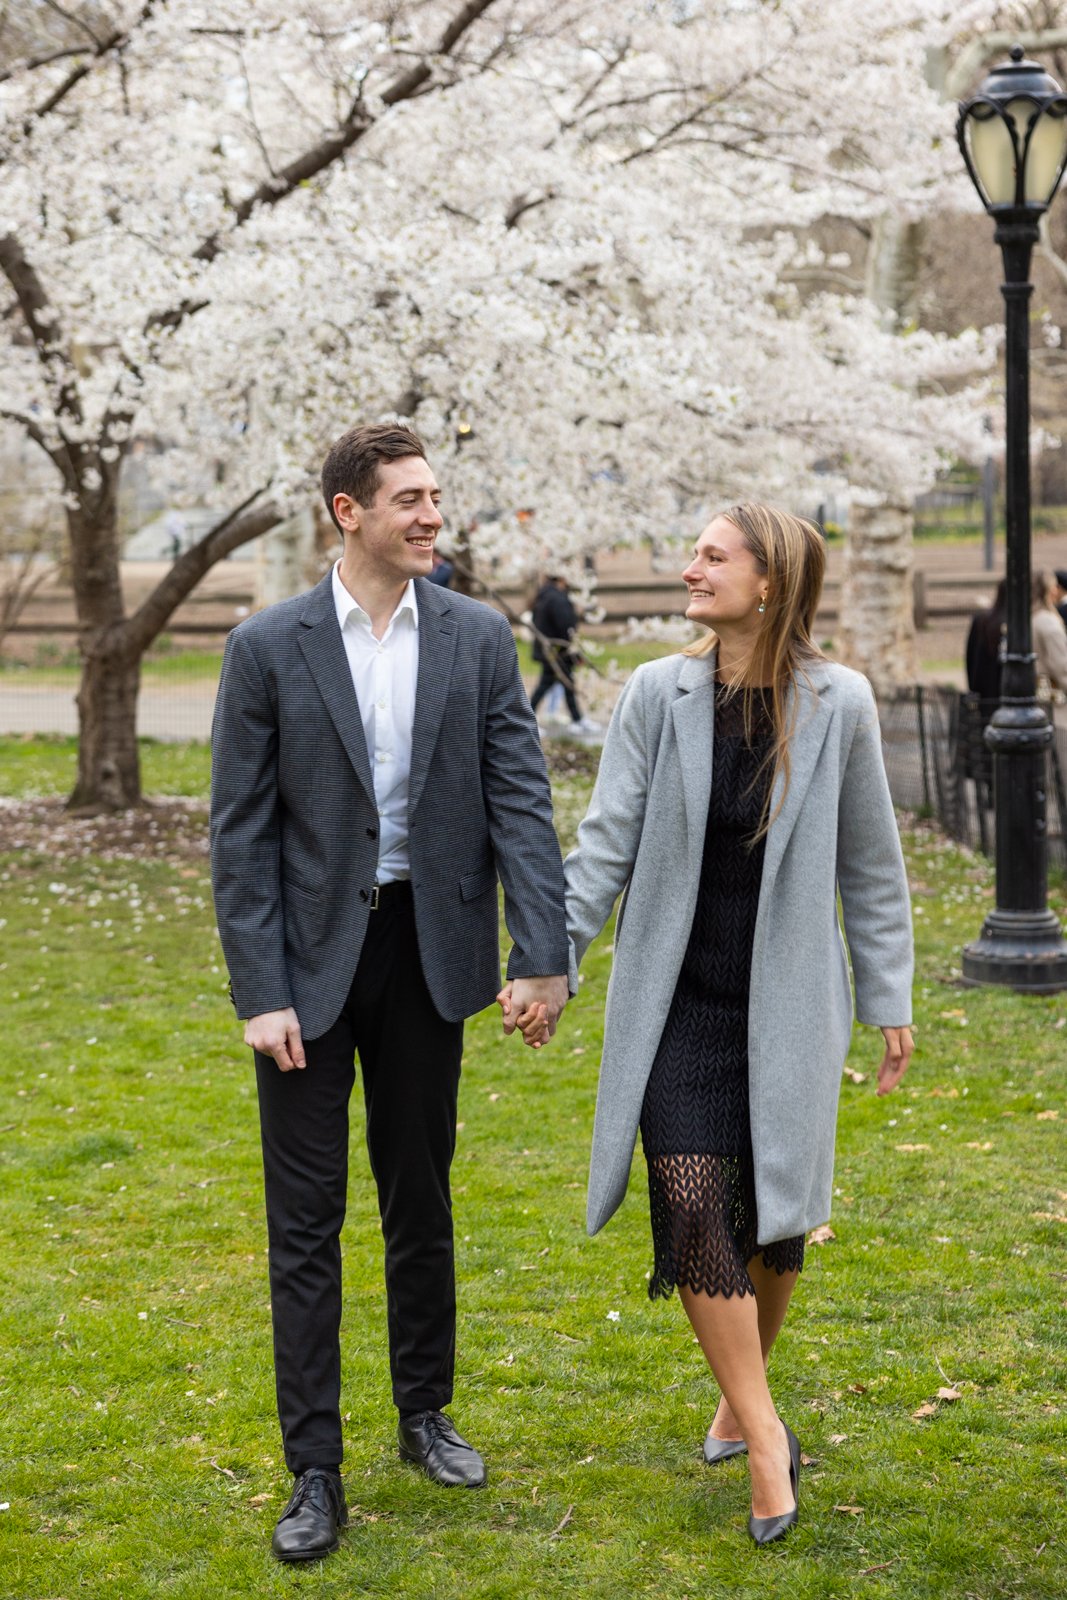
(374, 898)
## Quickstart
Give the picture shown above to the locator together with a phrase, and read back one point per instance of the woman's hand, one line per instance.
(532, 1023)
(898, 1048)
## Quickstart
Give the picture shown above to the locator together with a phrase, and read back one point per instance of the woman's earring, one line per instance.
(763, 605)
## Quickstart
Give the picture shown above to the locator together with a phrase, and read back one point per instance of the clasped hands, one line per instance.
(534, 1006)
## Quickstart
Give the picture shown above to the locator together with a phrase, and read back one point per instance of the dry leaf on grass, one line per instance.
(838, 1438)
(1048, 1116)
(949, 1394)
(908, 1148)
(927, 1409)
(823, 1235)
(260, 1499)
(852, 1511)
(856, 1077)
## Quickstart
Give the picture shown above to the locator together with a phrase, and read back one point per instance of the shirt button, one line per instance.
(372, 833)
(381, 705)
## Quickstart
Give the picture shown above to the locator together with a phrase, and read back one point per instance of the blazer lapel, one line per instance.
(813, 720)
(693, 716)
(325, 655)
(437, 648)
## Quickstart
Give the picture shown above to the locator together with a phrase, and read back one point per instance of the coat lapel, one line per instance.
(693, 715)
(437, 648)
(325, 655)
(813, 719)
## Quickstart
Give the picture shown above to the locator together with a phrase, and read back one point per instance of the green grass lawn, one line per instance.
(139, 1455)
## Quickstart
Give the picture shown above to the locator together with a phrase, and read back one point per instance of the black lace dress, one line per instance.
(695, 1119)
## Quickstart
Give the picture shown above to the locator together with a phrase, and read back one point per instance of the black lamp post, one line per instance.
(1013, 135)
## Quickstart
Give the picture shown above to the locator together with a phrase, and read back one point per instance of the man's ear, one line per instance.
(348, 512)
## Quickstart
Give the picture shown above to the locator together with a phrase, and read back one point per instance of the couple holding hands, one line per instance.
(376, 769)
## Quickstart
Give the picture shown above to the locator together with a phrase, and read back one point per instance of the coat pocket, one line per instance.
(476, 883)
(292, 887)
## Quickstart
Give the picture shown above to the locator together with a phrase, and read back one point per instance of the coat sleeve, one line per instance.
(1050, 643)
(872, 880)
(245, 834)
(518, 802)
(598, 869)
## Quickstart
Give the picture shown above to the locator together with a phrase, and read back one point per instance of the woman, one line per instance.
(741, 786)
(985, 642)
(1050, 639)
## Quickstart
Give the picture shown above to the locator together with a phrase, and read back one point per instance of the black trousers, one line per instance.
(410, 1061)
(548, 681)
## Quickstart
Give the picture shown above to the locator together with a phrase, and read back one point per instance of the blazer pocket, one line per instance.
(476, 883)
(299, 888)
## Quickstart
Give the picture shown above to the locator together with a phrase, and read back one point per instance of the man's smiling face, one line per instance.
(395, 534)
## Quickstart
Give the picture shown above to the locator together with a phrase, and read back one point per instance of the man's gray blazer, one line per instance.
(294, 821)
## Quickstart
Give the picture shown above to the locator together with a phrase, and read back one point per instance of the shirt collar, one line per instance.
(347, 607)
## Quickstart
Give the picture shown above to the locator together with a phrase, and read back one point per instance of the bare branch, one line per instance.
(42, 323)
(72, 18)
(32, 429)
(235, 529)
(103, 48)
(357, 123)
(526, 202)
(35, 62)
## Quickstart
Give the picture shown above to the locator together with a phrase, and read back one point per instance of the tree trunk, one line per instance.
(109, 776)
(109, 768)
(463, 570)
(876, 633)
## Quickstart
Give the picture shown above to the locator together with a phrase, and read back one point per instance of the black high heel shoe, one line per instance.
(716, 1450)
(764, 1530)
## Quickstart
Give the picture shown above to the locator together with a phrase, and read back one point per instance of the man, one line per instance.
(556, 621)
(375, 767)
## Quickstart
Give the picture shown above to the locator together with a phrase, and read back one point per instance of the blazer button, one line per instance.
(363, 895)
(372, 833)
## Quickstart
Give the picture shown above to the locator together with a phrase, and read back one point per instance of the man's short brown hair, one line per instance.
(351, 466)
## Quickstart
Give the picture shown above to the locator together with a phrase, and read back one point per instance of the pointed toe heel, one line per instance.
(765, 1530)
(716, 1450)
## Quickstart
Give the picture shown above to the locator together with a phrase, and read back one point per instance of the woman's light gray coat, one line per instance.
(836, 832)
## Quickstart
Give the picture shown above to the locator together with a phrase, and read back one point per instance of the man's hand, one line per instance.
(277, 1034)
(534, 1006)
(894, 1064)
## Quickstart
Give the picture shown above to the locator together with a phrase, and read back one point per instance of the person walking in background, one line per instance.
(741, 788)
(1050, 639)
(555, 622)
(375, 768)
(985, 647)
(1059, 593)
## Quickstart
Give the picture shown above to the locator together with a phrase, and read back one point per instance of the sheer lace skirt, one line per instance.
(704, 1226)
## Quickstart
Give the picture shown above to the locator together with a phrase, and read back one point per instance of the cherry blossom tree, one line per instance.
(567, 240)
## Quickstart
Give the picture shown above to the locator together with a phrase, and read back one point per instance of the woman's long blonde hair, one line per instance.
(791, 554)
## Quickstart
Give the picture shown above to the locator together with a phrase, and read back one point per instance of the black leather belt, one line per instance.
(389, 891)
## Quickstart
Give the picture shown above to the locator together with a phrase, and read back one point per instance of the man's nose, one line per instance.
(431, 516)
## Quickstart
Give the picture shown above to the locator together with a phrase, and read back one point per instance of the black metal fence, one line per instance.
(938, 766)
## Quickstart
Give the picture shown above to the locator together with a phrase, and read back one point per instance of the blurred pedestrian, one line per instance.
(1059, 596)
(555, 622)
(1050, 640)
(985, 647)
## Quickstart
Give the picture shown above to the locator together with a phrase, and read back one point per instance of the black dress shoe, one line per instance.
(716, 1450)
(307, 1528)
(430, 1440)
(765, 1530)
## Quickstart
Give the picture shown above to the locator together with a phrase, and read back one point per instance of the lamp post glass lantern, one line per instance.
(1013, 137)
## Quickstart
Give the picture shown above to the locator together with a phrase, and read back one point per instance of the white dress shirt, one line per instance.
(384, 673)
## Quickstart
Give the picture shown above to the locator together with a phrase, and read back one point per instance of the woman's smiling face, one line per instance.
(724, 583)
